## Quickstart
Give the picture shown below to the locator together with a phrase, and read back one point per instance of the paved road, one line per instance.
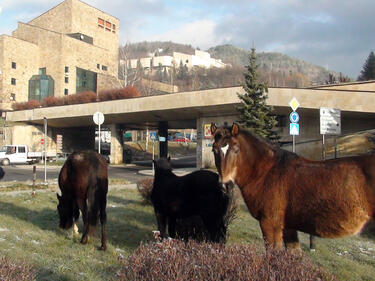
(131, 172)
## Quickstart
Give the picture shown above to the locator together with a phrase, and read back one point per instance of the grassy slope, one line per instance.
(28, 230)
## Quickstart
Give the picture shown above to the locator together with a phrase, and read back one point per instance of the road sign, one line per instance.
(59, 141)
(294, 104)
(330, 121)
(42, 141)
(294, 129)
(153, 136)
(98, 118)
(294, 117)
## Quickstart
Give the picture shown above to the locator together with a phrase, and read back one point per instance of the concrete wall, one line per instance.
(85, 20)
(205, 157)
(309, 131)
(15, 50)
(58, 18)
(43, 43)
(356, 86)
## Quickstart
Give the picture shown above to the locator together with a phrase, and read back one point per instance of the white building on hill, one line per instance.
(200, 59)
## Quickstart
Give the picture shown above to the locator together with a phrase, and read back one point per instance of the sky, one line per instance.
(335, 34)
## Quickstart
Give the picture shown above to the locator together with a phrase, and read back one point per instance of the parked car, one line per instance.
(14, 154)
(181, 140)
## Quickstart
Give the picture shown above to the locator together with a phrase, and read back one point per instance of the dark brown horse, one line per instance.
(197, 195)
(83, 182)
(288, 193)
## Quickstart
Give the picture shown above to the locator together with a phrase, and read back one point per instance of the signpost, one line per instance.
(294, 118)
(45, 148)
(330, 124)
(153, 138)
(98, 119)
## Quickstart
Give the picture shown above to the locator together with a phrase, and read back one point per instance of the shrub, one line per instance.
(49, 101)
(129, 92)
(26, 105)
(10, 271)
(144, 187)
(86, 97)
(178, 260)
(123, 93)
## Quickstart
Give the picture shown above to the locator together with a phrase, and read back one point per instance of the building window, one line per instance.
(105, 68)
(100, 22)
(66, 92)
(12, 97)
(13, 81)
(98, 66)
(66, 79)
(113, 28)
(40, 87)
(14, 65)
(42, 71)
(108, 26)
(85, 80)
(66, 69)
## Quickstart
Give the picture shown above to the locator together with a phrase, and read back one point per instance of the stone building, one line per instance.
(71, 48)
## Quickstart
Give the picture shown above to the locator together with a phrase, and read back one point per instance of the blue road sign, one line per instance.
(153, 136)
(294, 129)
(294, 117)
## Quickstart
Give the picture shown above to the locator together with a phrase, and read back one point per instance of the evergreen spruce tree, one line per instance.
(255, 114)
(368, 70)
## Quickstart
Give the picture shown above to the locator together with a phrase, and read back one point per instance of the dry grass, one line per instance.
(192, 261)
(11, 271)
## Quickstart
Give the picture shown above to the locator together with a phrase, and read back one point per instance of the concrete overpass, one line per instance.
(196, 108)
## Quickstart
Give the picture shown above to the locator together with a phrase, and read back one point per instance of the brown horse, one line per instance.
(288, 193)
(83, 181)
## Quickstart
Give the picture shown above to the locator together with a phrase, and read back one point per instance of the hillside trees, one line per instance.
(368, 70)
(255, 114)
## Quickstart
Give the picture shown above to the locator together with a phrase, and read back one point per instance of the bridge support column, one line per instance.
(205, 156)
(116, 156)
(163, 133)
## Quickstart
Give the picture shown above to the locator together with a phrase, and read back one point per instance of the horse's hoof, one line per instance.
(84, 240)
(103, 247)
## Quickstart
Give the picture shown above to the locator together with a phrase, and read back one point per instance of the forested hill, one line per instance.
(276, 68)
(271, 61)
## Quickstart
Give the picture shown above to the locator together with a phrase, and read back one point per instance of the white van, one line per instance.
(15, 154)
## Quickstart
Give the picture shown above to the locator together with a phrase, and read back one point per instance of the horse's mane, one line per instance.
(282, 155)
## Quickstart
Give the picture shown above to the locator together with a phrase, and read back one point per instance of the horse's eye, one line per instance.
(235, 149)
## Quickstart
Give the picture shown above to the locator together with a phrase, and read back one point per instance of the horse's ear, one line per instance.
(213, 128)
(235, 129)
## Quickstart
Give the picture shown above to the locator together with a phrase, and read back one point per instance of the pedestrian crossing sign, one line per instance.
(294, 129)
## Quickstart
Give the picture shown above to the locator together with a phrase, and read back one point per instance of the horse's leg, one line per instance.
(290, 237)
(215, 229)
(82, 204)
(103, 218)
(272, 234)
(172, 227)
(312, 243)
(162, 223)
(75, 217)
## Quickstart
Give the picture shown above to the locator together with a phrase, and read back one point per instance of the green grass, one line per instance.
(29, 231)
